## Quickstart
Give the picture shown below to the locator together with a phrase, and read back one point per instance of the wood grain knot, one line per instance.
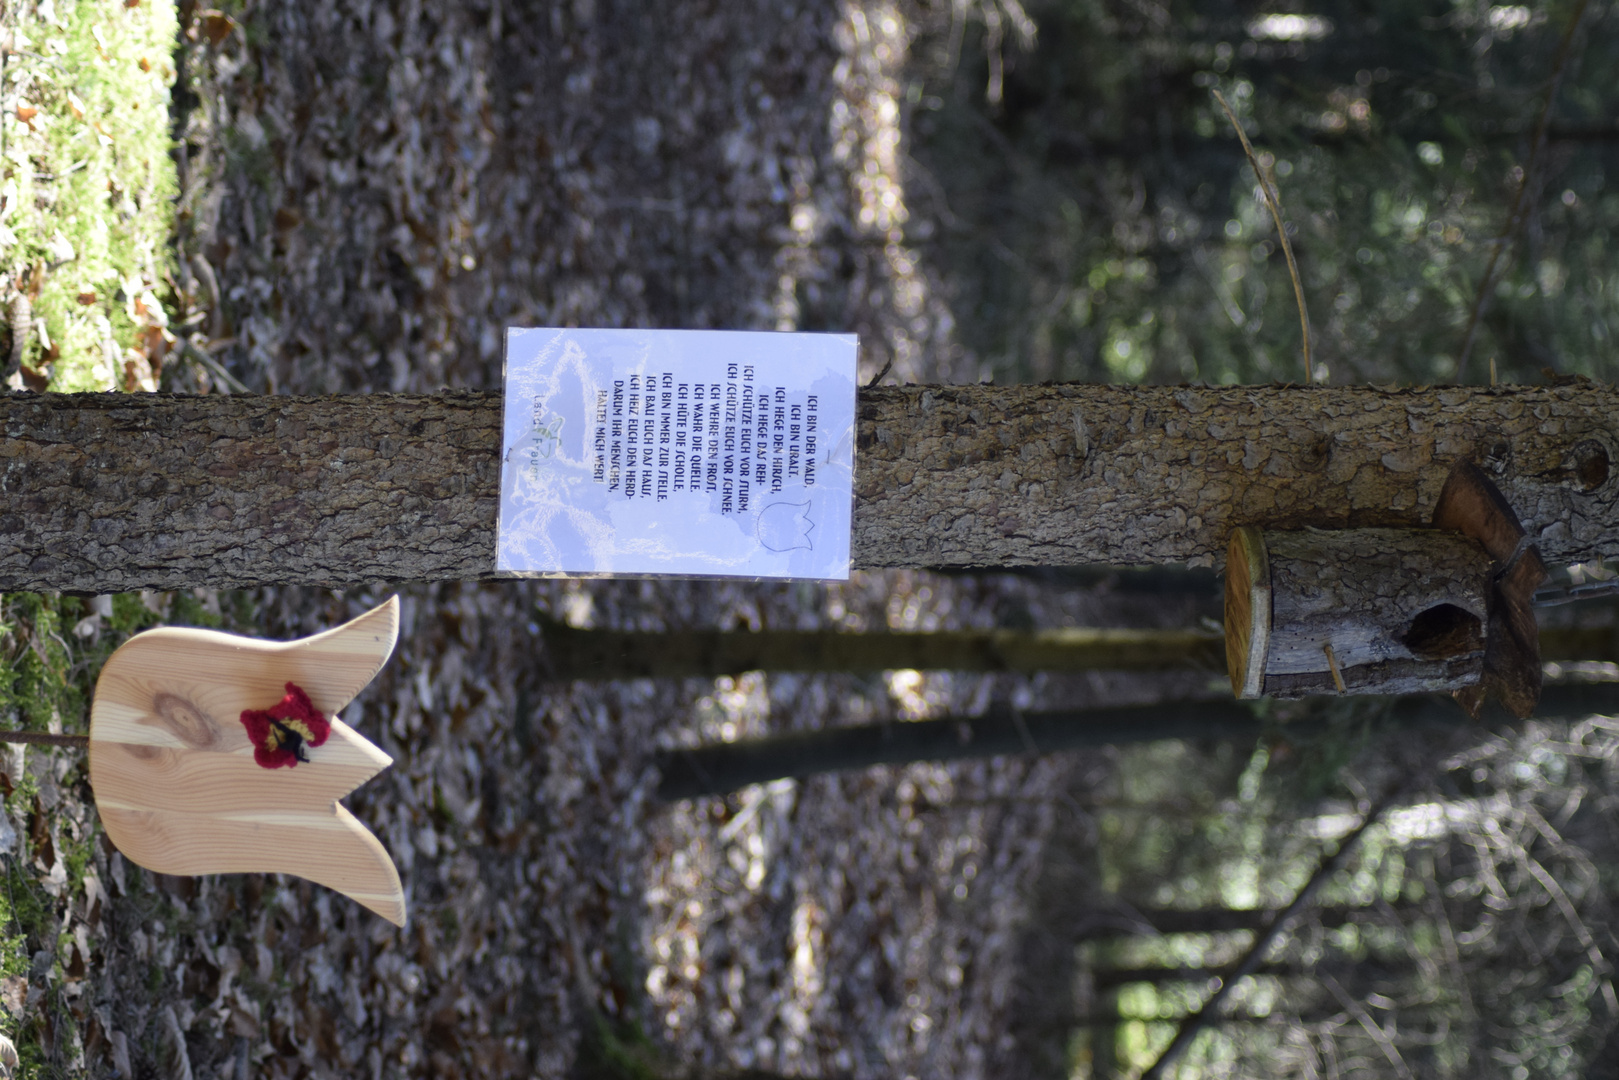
(1587, 464)
(190, 724)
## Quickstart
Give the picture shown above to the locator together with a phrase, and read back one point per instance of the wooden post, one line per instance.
(1387, 611)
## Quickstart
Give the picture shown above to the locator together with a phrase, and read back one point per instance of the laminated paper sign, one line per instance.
(689, 452)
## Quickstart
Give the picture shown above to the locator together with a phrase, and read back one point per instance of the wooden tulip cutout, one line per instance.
(181, 787)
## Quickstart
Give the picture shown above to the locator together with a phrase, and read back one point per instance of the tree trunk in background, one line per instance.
(724, 767)
(620, 654)
(112, 492)
(635, 654)
(1166, 580)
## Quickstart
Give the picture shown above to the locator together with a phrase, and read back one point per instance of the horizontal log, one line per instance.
(112, 492)
(1144, 474)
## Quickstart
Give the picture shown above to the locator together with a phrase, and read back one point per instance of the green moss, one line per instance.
(90, 185)
(619, 1051)
(186, 610)
(77, 856)
(34, 663)
(52, 649)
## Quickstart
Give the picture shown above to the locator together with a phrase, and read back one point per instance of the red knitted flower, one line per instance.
(280, 732)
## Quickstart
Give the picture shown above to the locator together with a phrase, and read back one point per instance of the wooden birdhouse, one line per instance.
(1389, 610)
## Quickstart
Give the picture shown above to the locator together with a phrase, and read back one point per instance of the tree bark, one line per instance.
(111, 492)
(1137, 474)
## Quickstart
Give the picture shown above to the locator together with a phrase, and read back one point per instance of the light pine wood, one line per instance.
(173, 771)
(1247, 611)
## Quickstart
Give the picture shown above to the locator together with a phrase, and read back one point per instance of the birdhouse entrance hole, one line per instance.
(1444, 631)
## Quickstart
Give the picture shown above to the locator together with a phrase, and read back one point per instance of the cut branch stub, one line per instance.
(1387, 611)
(1469, 503)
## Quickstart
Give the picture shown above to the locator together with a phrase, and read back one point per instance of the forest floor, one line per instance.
(370, 192)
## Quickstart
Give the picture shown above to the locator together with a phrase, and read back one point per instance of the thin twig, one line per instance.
(202, 356)
(1332, 662)
(1192, 1026)
(1273, 200)
(1509, 233)
(877, 378)
(1370, 1026)
(1439, 915)
(35, 56)
(1599, 965)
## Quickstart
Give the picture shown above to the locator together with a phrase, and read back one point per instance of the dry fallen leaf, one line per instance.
(26, 113)
(138, 375)
(145, 64)
(13, 993)
(87, 298)
(216, 25)
(76, 105)
(173, 1055)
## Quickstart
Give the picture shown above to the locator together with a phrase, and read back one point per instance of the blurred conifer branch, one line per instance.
(1514, 222)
